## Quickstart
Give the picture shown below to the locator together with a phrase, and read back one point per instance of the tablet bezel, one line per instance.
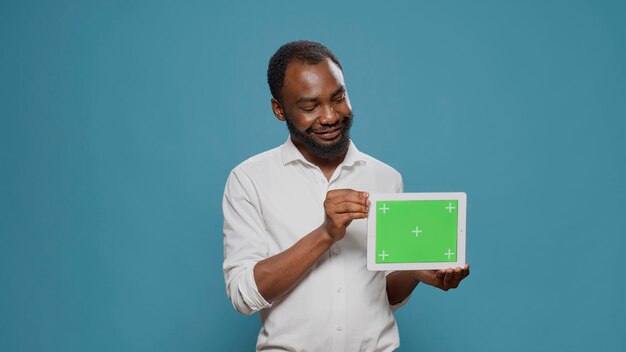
(461, 197)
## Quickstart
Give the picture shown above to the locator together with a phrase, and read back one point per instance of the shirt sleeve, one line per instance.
(245, 243)
(400, 183)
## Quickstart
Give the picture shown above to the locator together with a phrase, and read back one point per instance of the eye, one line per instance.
(309, 108)
(340, 98)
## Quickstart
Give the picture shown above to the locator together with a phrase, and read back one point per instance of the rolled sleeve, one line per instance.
(245, 243)
(395, 307)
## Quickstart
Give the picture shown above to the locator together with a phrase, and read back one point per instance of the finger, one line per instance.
(466, 271)
(335, 193)
(458, 276)
(342, 205)
(347, 207)
(441, 274)
(343, 220)
(347, 195)
(341, 190)
(356, 216)
(448, 279)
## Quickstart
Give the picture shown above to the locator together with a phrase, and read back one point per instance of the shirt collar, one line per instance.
(290, 153)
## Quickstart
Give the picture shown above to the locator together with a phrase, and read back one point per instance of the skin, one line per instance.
(315, 100)
(314, 97)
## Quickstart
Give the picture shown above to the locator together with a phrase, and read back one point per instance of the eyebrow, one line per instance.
(337, 91)
(341, 89)
(306, 100)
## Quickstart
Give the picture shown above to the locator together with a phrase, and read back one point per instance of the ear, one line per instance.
(278, 110)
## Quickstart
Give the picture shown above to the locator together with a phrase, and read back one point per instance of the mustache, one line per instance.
(344, 122)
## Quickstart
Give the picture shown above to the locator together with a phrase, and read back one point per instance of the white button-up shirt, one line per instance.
(271, 201)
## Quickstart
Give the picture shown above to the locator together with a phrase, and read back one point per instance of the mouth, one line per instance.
(329, 135)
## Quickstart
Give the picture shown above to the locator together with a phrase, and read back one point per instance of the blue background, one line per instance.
(121, 120)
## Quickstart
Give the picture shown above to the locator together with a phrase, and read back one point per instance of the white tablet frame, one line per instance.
(461, 197)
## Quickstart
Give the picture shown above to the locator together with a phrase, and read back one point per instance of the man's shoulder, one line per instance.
(259, 161)
(380, 166)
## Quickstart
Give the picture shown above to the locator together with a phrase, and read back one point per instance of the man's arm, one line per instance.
(279, 273)
(250, 274)
(400, 284)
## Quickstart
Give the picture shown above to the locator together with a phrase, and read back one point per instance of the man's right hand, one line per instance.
(276, 275)
(341, 207)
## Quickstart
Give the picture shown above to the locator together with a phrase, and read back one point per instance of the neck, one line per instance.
(327, 166)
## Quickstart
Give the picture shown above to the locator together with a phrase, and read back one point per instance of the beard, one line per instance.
(324, 151)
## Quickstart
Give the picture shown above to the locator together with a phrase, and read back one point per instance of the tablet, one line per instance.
(416, 231)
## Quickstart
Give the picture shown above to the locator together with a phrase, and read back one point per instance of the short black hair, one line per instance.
(306, 51)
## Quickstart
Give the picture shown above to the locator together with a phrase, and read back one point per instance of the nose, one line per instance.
(329, 116)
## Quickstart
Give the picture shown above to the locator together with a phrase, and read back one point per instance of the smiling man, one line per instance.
(295, 222)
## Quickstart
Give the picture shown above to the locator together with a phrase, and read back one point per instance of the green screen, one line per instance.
(410, 231)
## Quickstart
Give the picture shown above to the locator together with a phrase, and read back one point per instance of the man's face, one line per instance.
(316, 108)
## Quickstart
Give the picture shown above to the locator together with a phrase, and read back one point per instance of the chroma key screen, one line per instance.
(409, 231)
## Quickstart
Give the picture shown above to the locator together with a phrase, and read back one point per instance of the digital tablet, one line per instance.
(416, 231)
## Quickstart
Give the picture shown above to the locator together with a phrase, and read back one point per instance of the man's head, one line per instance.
(309, 94)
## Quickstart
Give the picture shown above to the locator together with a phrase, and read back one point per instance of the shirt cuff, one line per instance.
(250, 293)
(395, 307)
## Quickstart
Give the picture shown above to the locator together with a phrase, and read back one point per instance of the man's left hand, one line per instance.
(443, 279)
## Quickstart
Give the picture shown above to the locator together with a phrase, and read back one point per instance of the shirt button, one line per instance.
(336, 251)
(322, 180)
(338, 289)
(339, 328)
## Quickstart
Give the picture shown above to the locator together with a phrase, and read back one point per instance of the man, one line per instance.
(295, 222)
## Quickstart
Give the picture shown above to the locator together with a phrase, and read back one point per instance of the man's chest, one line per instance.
(292, 203)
